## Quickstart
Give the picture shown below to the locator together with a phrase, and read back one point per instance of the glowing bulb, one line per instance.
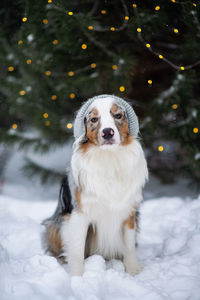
(195, 130)
(20, 42)
(55, 42)
(53, 97)
(134, 5)
(182, 68)
(194, 4)
(29, 61)
(175, 106)
(114, 67)
(72, 96)
(24, 19)
(90, 27)
(45, 21)
(160, 148)
(93, 65)
(69, 125)
(160, 56)
(49, 1)
(47, 123)
(149, 81)
(139, 29)
(14, 126)
(122, 88)
(148, 45)
(45, 115)
(112, 28)
(126, 18)
(103, 11)
(70, 13)
(71, 73)
(175, 30)
(22, 93)
(173, 1)
(47, 73)
(157, 8)
(11, 69)
(84, 46)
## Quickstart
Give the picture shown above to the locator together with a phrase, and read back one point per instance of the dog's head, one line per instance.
(106, 121)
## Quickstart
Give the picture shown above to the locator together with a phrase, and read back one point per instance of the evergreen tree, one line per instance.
(56, 54)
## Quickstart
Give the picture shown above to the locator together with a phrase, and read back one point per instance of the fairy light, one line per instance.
(182, 68)
(103, 11)
(49, 1)
(160, 148)
(139, 29)
(175, 30)
(69, 125)
(48, 73)
(114, 67)
(90, 27)
(194, 4)
(126, 18)
(70, 73)
(160, 56)
(157, 8)
(72, 95)
(70, 13)
(22, 93)
(122, 88)
(112, 28)
(11, 69)
(93, 65)
(84, 46)
(148, 45)
(173, 1)
(195, 130)
(175, 106)
(150, 81)
(53, 97)
(29, 61)
(45, 115)
(14, 126)
(134, 5)
(20, 42)
(45, 21)
(24, 19)
(47, 123)
(55, 42)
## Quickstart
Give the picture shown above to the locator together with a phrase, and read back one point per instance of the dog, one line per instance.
(99, 198)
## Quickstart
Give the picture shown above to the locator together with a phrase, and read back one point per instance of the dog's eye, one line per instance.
(94, 120)
(118, 116)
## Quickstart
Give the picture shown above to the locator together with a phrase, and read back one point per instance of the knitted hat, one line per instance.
(79, 126)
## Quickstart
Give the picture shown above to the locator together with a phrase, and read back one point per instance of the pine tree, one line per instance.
(56, 54)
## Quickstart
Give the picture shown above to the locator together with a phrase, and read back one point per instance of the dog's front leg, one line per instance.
(130, 261)
(74, 242)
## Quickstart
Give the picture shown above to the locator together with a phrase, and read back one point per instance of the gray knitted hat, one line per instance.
(79, 126)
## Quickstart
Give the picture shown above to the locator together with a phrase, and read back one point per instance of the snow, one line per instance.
(168, 248)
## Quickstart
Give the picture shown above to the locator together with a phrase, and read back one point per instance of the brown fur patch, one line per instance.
(122, 125)
(78, 198)
(130, 221)
(54, 240)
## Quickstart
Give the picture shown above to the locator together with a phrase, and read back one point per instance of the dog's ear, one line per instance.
(85, 138)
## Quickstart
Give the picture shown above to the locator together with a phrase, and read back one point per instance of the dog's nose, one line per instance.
(107, 133)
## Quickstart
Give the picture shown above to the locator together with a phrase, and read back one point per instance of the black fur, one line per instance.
(65, 197)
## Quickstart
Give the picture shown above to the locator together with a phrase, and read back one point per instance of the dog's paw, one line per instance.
(133, 268)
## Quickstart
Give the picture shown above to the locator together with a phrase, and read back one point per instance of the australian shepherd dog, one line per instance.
(100, 196)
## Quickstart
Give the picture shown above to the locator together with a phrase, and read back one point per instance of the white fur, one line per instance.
(110, 179)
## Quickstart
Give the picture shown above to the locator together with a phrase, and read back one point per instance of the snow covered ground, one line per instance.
(168, 248)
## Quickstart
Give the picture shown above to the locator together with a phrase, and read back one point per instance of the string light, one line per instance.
(182, 68)
(148, 45)
(45, 21)
(71, 73)
(175, 30)
(134, 5)
(47, 123)
(55, 42)
(93, 65)
(114, 67)
(11, 69)
(194, 4)
(24, 19)
(150, 81)
(53, 97)
(90, 27)
(173, 1)
(14, 126)
(175, 106)
(103, 11)
(122, 88)
(22, 93)
(84, 46)
(20, 42)
(195, 130)
(72, 95)
(126, 18)
(29, 61)
(160, 56)
(70, 13)
(48, 73)
(49, 1)
(139, 29)
(157, 8)
(69, 125)
(160, 148)
(112, 28)
(45, 115)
